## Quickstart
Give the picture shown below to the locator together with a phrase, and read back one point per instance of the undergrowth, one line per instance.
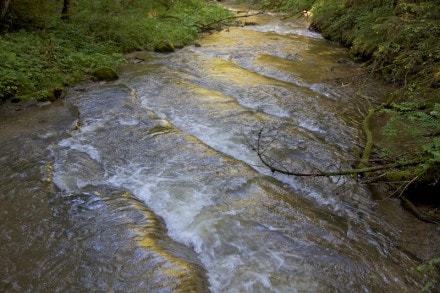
(430, 270)
(399, 41)
(41, 51)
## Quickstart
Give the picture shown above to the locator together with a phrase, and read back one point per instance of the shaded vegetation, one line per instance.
(42, 48)
(399, 41)
(430, 271)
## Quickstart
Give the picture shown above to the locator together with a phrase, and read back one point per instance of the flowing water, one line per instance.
(152, 184)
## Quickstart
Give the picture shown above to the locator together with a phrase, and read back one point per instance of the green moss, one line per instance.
(104, 73)
(164, 47)
(43, 95)
(400, 175)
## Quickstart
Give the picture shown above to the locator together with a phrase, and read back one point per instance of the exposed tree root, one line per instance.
(408, 205)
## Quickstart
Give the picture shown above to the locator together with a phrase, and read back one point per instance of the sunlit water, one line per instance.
(152, 184)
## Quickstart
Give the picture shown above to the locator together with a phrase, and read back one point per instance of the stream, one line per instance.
(151, 183)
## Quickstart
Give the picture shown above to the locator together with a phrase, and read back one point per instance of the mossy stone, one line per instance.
(164, 47)
(50, 95)
(104, 73)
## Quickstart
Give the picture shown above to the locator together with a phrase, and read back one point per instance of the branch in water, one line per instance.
(268, 162)
(217, 23)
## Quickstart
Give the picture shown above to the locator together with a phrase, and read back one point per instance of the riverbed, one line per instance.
(151, 183)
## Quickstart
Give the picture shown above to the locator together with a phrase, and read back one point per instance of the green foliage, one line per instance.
(35, 13)
(400, 39)
(293, 6)
(38, 50)
(21, 60)
(420, 123)
(433, 150)
(32, 61)
(431, 272)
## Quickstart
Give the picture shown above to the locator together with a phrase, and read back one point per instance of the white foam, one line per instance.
(84, 148)
(310, 125)
(286, 30)
(178, 204)
(128, 122)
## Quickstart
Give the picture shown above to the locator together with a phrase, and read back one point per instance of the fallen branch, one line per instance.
(222, 21)
(407, 204)
(302, 12)
(369, 137)
(357, 171)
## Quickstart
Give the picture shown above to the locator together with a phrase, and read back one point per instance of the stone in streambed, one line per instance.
(164, 47)
(104, 73)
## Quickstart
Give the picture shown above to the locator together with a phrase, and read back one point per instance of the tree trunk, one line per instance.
(4, 6)
(66, 9)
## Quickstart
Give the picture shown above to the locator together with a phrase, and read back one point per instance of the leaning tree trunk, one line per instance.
(4, 6)
(66, 9)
